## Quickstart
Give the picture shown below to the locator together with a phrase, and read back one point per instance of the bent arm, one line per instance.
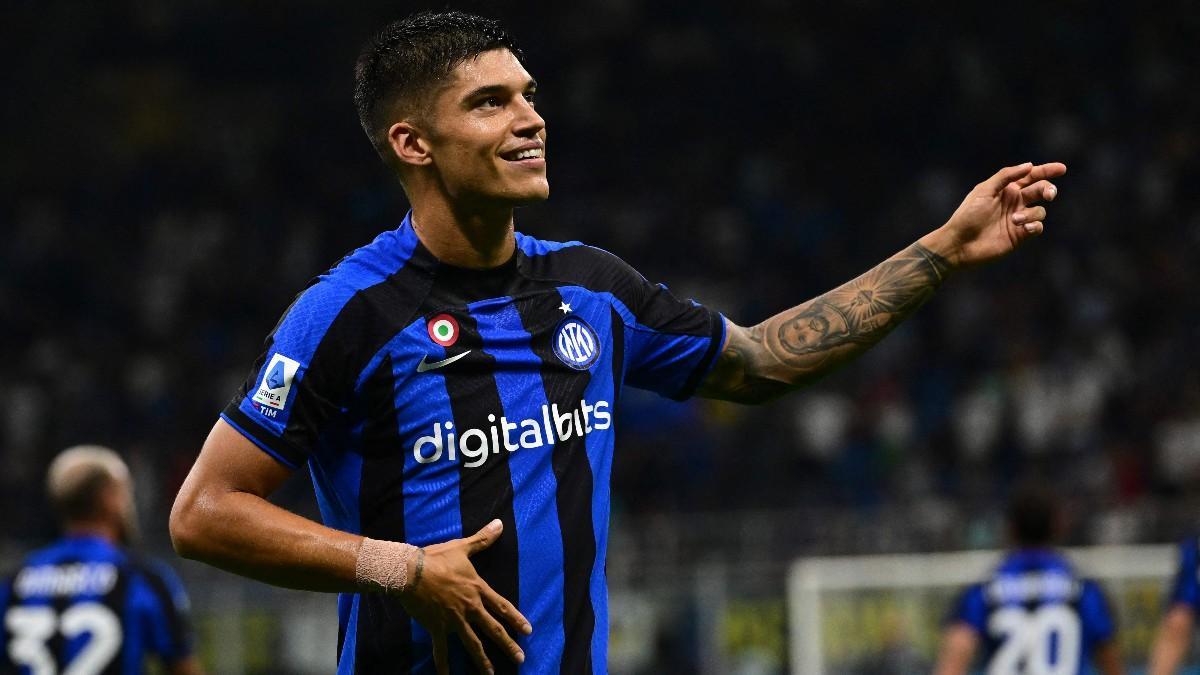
(1172, 641)
(800, 345)
(959, 643)
(222, 517)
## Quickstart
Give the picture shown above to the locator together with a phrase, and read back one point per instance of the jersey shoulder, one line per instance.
(156, 572)
(365, 267)
(579, 264)
(76, 549)
(533, 247)
(374, 262)
(1189, 552)
(971, 607)
(362, 296)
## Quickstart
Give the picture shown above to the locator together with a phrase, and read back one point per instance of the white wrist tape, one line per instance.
(388, 566)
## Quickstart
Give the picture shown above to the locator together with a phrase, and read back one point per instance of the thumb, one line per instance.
(1008, 174)
(485, 537)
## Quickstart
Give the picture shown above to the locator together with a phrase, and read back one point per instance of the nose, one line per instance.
(528, 122)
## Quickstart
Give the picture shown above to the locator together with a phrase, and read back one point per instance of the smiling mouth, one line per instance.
(523, 155)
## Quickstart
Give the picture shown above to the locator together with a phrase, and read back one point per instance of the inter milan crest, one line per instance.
(575, 343)
(443, 329)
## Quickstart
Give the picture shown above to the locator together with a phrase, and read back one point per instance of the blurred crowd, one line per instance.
(174, 173)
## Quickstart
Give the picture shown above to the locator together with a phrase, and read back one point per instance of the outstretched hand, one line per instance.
(999, 214)
(450, 597)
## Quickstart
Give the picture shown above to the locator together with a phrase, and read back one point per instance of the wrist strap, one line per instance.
(388, 566)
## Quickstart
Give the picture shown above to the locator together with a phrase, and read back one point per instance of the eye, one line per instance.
(531, 98)
(489, 102)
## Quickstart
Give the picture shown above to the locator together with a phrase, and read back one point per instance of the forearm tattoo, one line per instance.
(806, 342)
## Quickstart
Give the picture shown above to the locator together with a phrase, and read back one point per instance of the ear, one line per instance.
(409, 144)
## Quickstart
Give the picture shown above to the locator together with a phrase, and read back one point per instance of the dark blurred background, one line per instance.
(173, 173)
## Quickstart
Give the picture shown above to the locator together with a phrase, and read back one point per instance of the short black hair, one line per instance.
(1033, 513)
(401, 64)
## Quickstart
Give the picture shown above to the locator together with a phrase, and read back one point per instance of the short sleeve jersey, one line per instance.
(1035, 613)
(84, 605)
(1185, 590)
(428, 400)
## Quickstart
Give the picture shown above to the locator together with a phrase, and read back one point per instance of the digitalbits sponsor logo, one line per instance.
(474, 446)
(576, 344)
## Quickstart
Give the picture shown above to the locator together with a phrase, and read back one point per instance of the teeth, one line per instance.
(529, 154)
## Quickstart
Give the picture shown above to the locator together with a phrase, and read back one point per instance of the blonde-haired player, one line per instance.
(86, 604)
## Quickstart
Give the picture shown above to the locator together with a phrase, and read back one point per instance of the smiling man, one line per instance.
(453, 386)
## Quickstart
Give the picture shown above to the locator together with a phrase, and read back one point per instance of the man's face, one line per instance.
(487, 142)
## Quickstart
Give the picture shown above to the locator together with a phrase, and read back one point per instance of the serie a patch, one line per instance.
(277, 382)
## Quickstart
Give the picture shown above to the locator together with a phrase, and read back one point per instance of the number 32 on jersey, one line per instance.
(32, 627)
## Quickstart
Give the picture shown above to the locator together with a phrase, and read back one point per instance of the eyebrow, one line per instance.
(491, 89)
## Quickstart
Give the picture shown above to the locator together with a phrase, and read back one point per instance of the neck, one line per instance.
(104, 530)
(466, 236)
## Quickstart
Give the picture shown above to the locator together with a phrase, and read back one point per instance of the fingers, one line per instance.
(1030, 215)
(1032, 229)
(441, 656)
(473, 645)
(1024, 175)
(492, 628)
(1042, 172)
(1043, 190)
(1007, 175)
(505, 610)
(484, 537)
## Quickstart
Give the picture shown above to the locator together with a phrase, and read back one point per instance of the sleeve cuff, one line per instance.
(716, 340)
(267, 442)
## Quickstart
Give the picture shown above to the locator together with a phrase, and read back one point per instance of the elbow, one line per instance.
(186, 525)
(761, 389)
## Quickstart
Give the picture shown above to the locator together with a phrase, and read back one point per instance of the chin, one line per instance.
(535, 198)
(530, 194)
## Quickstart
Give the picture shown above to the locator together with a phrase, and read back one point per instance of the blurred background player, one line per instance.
(1034, 615)
(1175, 632)
(85, 605)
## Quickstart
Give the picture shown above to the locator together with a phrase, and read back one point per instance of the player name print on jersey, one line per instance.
(70, 579)
(1051, 585)
(276, 383)
(575, 343)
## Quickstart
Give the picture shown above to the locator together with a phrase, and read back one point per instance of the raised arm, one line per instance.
(802, 344)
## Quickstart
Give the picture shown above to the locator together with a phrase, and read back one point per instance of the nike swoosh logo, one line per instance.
(423, 367)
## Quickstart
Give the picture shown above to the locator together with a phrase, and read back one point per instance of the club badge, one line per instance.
(575, 343)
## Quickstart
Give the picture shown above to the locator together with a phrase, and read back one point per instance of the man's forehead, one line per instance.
(495, 67)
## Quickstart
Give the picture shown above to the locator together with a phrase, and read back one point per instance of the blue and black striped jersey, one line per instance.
(1035, 614)
(1185, 590)
(84, 605)
(428, 400)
